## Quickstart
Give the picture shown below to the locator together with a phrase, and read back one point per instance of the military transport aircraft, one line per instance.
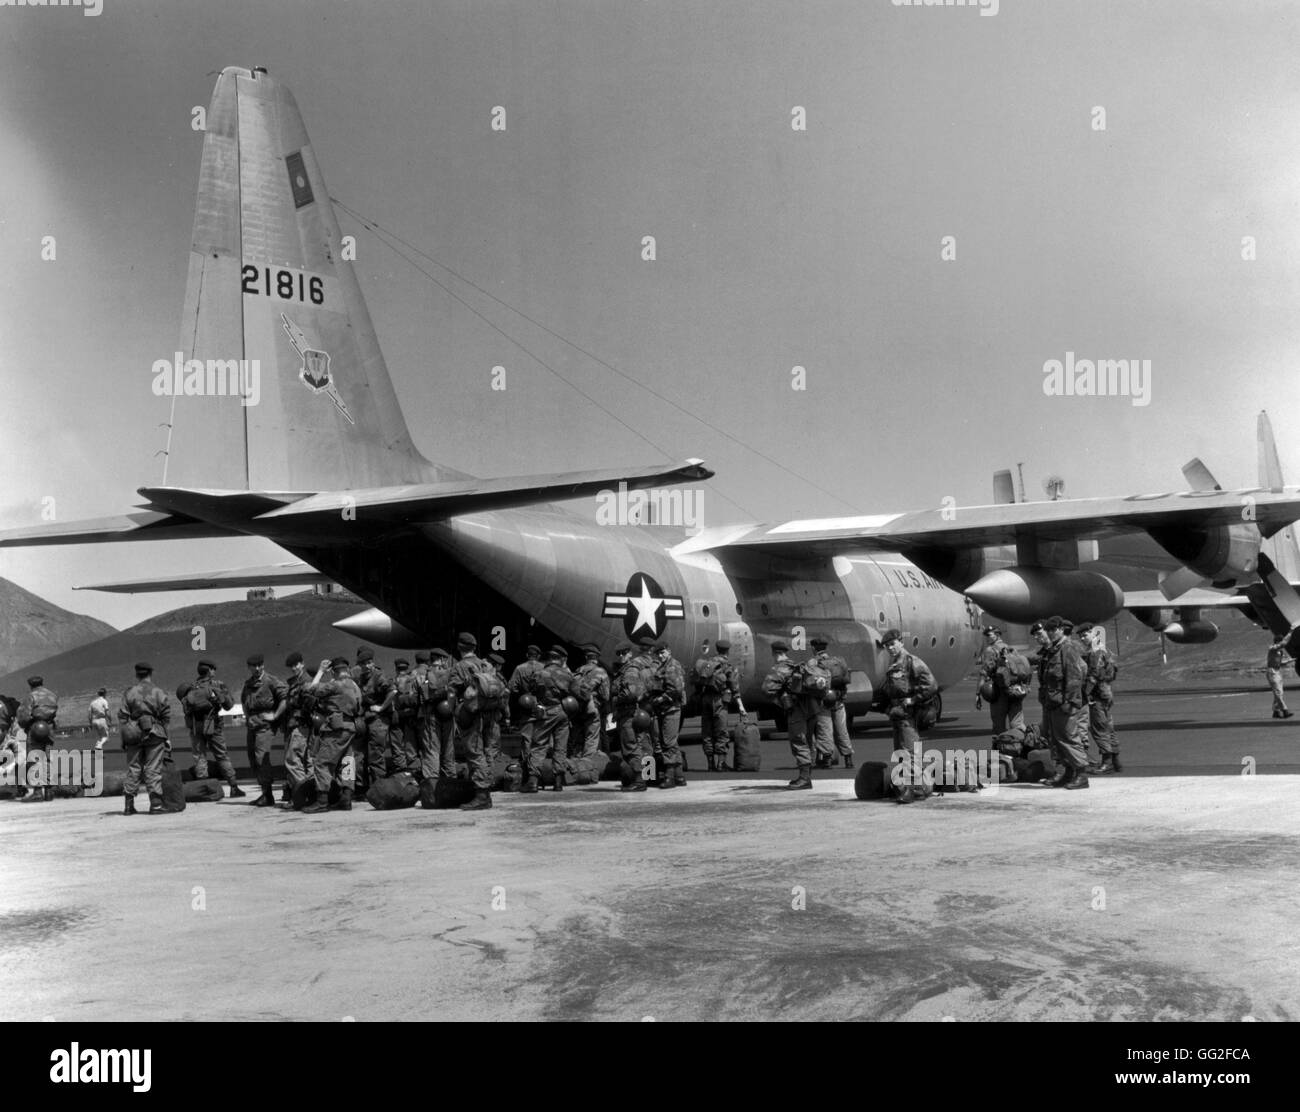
(324, 467)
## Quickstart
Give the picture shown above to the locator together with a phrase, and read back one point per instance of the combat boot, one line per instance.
(317, 806)
(155, 804)
(286, 794)
(482, 800)
(803, 780)
(529, 786)
(1107, 765)
(679, 777)
(559, 784)
(344, 802)
(236, 792)
(848, 761)
(907, 794)
(1115, 766)
(1288, 714)
(1078, 780)
(1063, 772)
(266, 799)
(666, 778)
(636, 785)
(129, 808)
(713, 763)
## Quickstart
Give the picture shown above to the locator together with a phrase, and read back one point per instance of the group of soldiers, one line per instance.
(350, 724)
(1075, 672)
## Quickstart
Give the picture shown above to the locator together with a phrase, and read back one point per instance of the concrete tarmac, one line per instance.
(1166, 893)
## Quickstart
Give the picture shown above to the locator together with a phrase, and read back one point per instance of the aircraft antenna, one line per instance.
(390, 239)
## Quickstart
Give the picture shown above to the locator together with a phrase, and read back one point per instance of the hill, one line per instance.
(229, 632)
(1233, 659)
(32, 629)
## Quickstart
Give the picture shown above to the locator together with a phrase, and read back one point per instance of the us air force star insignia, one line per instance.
(315, 369)
(644, 606)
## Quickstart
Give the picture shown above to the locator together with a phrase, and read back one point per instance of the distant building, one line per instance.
(260, 594)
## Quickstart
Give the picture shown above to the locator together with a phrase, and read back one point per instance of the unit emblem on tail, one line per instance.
(315, 370)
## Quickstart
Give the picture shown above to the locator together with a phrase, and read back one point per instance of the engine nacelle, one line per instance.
(1152, 618)
(1197, 631)
(1224, 554)
(379, 629)
(1026, 594)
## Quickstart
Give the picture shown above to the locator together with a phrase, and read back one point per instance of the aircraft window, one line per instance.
(933, 641)
(764, 608)
(915, 641)
(882, 617)
(951, 642)
(705, 611)
(739, 609)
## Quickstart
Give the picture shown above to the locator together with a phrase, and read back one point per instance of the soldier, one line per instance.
(1038, 631)
(1062, 671)
(264, 698)
(404, 710)
(627, 688)
(202, 702)
(519, 685)
(667, 706)
(13, 753)
(297, 726)
(591, 689)
(551, 730)
(1102, 671)
(98, 716)
(782, 684)
(438, 756)
(1273, 665)
(492, 732)
(474, 716)
(818, 701)
(1005, 676)
(336, 705)
(908, 683)
(37, 716)
(372, 733)
(145, 712)
(839, 669)
(716, 685)
(648, 668)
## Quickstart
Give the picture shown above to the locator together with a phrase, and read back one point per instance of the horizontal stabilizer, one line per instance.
(295, 574)
(149, 525)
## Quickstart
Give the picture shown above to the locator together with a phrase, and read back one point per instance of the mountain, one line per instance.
(32, 629)
(174, 643)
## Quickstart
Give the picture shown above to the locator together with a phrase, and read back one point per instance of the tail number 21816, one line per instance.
(265, 281)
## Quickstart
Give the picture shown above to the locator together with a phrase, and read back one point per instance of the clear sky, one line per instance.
(776, 247)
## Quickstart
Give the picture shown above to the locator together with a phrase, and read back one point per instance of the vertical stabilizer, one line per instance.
(268, 289)
(1282, 548)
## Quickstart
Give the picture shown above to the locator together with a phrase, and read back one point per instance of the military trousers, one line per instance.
(259, 741)
(435, 747)
(473, 738)
(145, 761)
(667, 726)
(334, 760)
(713, 725)
(840, 729)
(635, 744)
(297, 755)
(1070, 728)
(1102, 725)
(211, 747)
(1275, 683)
(550, 738)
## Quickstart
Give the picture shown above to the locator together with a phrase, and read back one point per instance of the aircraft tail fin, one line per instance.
(1282, 548)
(271, 304)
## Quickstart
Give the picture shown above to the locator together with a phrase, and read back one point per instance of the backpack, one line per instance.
(927, 706)
(490, 686)
(406, 701)
(1109, 669)
(197, 701)
(1015, 674)
(437, 680)
(629, 684)
(708, 674)
(44, 705)
(816, 676)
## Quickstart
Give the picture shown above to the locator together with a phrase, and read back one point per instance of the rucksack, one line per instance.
(1109, 669)
(926, 706)
(407, 698)
(629, 684)
(708, 674)
(198, 701)
(490, 686)
(1015, 674)
(44, 705)
(436, 683)
(816, 675)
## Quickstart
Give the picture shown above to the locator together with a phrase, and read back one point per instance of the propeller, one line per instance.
(1179, 582)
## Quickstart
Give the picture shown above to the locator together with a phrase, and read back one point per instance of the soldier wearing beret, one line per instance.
(336, 702)
(264, 698)
(145, 712)
(202, 701)
(626, 688)
(783, 685)
(521, 684)
(36, 715)
(666, 706)
(908, 683)
(717, 684)
(372, 728)
(591, 689)
(1062, 672)
(297, 726)
(474, 717)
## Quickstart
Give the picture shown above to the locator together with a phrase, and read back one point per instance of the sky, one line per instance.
(776, 248)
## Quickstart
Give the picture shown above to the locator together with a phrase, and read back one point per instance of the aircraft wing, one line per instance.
(293, 574)
(1198, 599)
(988, 526)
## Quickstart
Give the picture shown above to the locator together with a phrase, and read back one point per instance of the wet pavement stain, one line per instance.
(31, 928)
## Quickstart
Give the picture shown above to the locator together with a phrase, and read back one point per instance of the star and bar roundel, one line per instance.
(644, 607)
